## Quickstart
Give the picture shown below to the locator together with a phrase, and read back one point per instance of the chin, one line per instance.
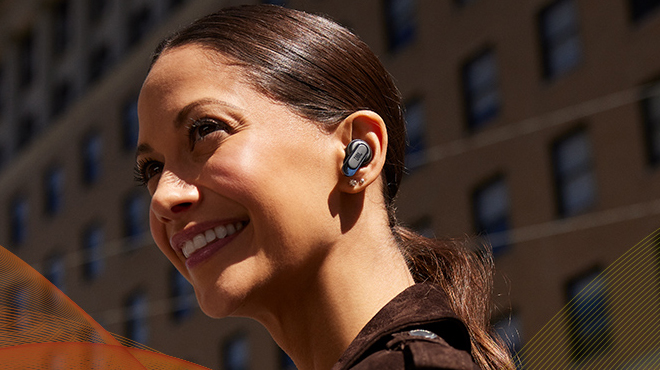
(219, 303)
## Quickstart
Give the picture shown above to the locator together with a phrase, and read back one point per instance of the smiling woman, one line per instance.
(247, 117)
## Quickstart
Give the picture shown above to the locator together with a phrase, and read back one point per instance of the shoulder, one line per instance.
(417, 349)
(416, 330)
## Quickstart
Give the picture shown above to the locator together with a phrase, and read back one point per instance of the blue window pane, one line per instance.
(562, 47)
(401, 22)
(93, 252)
(130, 125)
(640, 9)
(183, 296)
(415, 130)
(18, 316)
(651, 112)
(492, 209)
(19, 221)
(588, 318)
(100, 62)
(576, 183)
(236, 354)
(137, 313)
(96, 9)
(509, 329)
(55, 269)
(27, 59)
(92, 156)
(54, 191)
(140, 22)
(136, 221)
(286, 362)
(274, 2)
(481, 86)
(61, 23)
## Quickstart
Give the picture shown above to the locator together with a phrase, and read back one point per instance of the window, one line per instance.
(26, 131)
(136, 221)
(481, 89)
(100, 62)
(137, 313)
(415, 130)
(183, 296)
(560, 39)
(588, 320)
(27, 59)
(19, 221)
(286, 362)
(174, 3)
(640, 9)
(61, 97)
(55, 269)
(92, 252)
(139, 23)
(491, 212)
(18, 316)
(54, 190)
(61, 23)
(508, 328)
(92, 154)
(574, 175)
(3, 87)
(236, 354)
(401, 23)
(651, 113)
(96, 9)
(130, 124)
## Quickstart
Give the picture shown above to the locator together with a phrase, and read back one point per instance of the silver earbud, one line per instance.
(358, 154)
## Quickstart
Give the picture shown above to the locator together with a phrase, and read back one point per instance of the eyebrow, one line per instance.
(185, 111)
(143, 149)
(181, 119)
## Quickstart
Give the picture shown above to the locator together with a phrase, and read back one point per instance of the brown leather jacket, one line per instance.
(415, 330)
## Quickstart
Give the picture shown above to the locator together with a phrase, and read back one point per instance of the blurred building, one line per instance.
(533, 123)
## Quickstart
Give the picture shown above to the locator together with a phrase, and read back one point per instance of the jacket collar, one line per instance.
(421, 306)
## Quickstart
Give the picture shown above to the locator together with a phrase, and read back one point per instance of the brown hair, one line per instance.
(324, 72)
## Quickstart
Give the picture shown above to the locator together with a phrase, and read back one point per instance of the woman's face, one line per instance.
(242, 188)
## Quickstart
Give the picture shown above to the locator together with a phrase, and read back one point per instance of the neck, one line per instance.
(318, 316)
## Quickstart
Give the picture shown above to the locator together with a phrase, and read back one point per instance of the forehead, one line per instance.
(191, 68)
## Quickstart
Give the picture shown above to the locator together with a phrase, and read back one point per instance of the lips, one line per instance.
(192, 240)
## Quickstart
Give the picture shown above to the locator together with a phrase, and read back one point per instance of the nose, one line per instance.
(173, 197)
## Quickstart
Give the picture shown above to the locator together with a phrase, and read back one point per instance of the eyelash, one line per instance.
(195, 125)
(142, 166)
(140, 171)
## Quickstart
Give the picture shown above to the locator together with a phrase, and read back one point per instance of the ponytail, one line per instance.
(466, 275)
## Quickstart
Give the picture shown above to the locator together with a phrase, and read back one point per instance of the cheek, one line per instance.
(160, 237)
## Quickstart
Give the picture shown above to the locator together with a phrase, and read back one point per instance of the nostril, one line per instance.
(181, 207)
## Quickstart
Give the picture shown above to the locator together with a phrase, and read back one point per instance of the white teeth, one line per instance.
(209, 235)
(201, 240)
(188, 248)
(220, 231)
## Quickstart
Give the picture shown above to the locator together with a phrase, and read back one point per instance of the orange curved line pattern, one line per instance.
(42, 328)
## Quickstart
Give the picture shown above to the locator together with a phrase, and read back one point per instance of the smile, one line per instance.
(200, 240)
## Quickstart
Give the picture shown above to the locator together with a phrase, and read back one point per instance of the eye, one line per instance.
(199, 129)
(147, 169)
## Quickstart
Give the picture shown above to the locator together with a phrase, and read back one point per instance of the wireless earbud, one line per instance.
(358, 154)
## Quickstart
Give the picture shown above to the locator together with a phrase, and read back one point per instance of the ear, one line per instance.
(368, 126)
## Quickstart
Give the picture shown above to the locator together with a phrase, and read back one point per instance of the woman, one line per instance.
(272, 144)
